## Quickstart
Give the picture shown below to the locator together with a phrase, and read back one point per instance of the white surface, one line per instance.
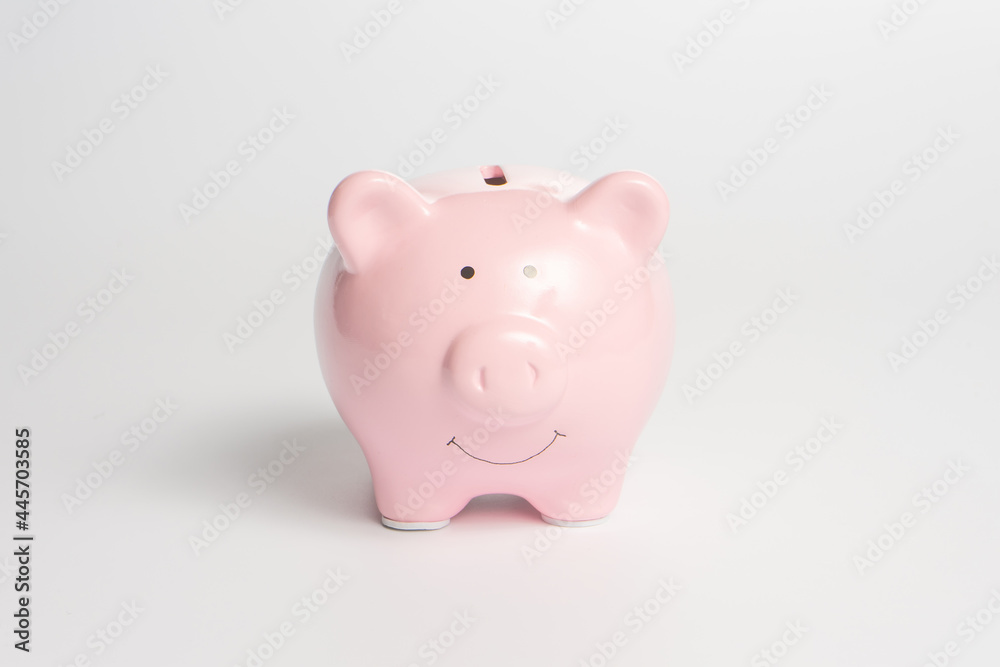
(555, 89)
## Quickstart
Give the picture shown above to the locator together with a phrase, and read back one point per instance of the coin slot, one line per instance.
(493, 175)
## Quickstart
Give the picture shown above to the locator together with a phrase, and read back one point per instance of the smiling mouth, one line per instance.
(508, 463)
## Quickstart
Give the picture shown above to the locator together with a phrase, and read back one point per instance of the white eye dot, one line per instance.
(530, 271)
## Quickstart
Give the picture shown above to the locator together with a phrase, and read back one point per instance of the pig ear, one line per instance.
(369, 213)
(631, 202)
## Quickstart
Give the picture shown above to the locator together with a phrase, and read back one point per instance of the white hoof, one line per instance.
(415, 525)
(574, 524)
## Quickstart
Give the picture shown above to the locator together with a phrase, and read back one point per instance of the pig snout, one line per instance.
(510, 364)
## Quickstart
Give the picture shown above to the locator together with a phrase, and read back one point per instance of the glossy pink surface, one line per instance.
(482, 338)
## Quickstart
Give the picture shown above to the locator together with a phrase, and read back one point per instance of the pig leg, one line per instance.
(417, 506)
(584, 498)
(414, 525)
(575, 509)
(573, 524)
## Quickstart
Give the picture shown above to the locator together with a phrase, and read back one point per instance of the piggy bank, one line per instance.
(495, 329)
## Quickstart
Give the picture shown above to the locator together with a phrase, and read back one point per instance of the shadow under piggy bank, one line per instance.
(306, 465)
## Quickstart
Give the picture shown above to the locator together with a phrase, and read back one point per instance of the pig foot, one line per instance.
(414, 525)
(574, 524)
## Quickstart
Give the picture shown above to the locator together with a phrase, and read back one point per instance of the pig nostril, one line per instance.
(482, 378)
(532, 373)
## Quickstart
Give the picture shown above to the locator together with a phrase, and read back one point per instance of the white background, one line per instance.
(559, 82)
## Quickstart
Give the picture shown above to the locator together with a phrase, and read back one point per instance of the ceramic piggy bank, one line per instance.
(495, 329)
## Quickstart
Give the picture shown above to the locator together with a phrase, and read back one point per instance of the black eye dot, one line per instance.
(468, 272)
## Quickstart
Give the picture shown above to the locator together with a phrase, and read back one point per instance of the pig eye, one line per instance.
(530, 271)
(468, 272)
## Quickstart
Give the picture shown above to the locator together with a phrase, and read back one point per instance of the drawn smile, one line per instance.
(508, 463)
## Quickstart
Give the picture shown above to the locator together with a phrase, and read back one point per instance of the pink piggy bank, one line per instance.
(495, 330)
